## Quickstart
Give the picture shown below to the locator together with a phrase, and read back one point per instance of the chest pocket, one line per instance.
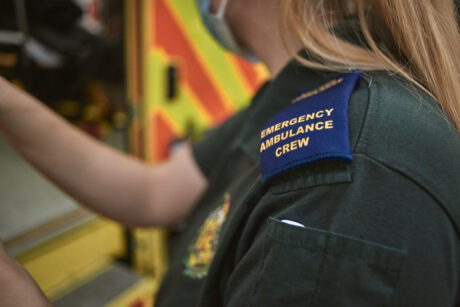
(312, 267)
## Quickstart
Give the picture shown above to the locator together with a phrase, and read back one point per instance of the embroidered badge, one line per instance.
(312, 128)
(204, 246)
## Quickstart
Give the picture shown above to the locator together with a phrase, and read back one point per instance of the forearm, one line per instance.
(17, 288)
(96, 175)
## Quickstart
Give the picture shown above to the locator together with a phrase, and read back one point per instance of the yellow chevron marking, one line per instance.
(211, 57)
(186, 105)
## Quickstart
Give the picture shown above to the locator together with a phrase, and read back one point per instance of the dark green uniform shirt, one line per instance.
(380, 230)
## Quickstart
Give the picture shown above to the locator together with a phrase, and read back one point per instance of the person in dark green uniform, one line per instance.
(338, 186)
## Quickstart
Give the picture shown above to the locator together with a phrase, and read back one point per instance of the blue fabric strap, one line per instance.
(314, 127)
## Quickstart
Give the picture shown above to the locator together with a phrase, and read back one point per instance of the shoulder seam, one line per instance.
(361, 128)
(366, 128)
(417, 183)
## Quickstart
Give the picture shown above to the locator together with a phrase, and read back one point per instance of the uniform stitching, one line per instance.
(361, 129)
(318, 278)
(401, 254)
(307, 160)
(401, 172)
(367, 127)
(304, 185)
(262, 269)
(369, 120)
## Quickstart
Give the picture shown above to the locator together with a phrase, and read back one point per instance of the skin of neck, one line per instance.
(255, 23)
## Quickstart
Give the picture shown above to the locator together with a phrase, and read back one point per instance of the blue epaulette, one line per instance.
(314, 127)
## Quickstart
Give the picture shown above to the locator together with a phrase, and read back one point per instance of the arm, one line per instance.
(17, 288)
(103, 179)
(376, 240)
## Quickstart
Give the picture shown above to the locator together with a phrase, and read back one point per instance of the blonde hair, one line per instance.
(418, 39)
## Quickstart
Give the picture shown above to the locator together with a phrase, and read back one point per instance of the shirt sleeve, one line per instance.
(208, 150)
(374, 239)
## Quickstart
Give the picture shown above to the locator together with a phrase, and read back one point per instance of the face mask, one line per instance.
(218, 27)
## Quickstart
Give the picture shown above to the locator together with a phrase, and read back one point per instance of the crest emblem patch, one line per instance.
(203, 248)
